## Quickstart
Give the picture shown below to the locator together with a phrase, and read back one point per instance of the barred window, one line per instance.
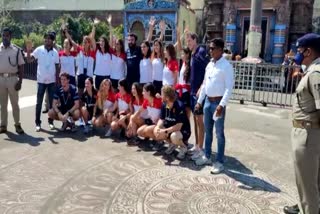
(168, 35)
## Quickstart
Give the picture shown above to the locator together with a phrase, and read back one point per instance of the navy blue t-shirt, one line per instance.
(174, 116)
(134, 56)
(199, 62)
(66, 98)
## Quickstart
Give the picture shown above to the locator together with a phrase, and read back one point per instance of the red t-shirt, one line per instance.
(157, 103)
(173, 65)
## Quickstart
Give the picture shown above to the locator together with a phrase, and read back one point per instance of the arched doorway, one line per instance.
(138, 29)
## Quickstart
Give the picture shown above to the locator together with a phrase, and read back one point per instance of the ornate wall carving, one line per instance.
(151, 5)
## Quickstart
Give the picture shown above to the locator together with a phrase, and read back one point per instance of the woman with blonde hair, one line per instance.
(104, 108)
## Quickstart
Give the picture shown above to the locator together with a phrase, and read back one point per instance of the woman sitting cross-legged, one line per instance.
(173, 125)
(137, 119)
(103, 111)
(124, 110)
(153, 106)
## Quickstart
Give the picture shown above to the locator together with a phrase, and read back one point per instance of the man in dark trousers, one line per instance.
(134, 56)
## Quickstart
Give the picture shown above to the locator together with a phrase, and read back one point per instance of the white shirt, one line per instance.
(145, 71)
(181, 80)
(157, 69)
(85, 62)
(47, 60)
(67, 63)
(218, 81)
(103, 64)
(119, 68)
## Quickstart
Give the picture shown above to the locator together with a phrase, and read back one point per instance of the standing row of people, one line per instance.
(170, 88)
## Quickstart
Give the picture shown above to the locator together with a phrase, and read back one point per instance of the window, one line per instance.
(168, 35)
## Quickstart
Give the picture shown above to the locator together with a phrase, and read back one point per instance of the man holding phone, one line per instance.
(216, 90)
(11, 72)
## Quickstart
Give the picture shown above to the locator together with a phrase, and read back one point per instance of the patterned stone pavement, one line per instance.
(52, 172)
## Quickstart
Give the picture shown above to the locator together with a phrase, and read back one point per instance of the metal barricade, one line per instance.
(30, 70)
(265, 83)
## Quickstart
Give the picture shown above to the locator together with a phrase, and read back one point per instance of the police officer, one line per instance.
(306, 127)
(11, 70)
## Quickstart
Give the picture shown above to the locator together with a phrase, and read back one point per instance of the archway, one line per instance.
(138, 29)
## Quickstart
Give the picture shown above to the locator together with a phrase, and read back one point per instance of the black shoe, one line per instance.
(291, 209)
(157, 146)
(45, 111)
(19, 129)
(3, 129)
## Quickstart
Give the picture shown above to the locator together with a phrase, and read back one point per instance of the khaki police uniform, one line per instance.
(8, 79)
(305, 138)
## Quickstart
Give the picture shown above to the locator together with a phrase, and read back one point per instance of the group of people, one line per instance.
(148, 95)
(145, 91)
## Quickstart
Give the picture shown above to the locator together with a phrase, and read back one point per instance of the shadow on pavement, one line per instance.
(55, 135)
(239, 172)
(24, 138)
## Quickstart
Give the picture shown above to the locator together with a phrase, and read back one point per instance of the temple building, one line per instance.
(137, 14)
(283, 22)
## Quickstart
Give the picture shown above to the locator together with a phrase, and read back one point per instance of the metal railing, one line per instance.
(30, 70)
(265, 83)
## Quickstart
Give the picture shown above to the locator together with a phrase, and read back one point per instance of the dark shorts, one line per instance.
(158, 86)
(90, 111)
(193, 102)
(81, 80)
(98, 80)
(148, 122)
(114, 83)
(72, 81)
(64, 109)
(185, 99)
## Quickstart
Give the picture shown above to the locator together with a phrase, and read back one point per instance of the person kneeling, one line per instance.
(65, 105)
(173, 125)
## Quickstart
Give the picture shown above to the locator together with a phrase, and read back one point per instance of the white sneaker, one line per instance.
(38, 128)
(170, 149)
(51, 126)
(192, 150)
(197, 155)
(217, 167)
(203, 160)
(182, 153)
(108, 133)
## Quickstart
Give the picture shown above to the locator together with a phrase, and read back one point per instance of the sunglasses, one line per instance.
(213, 48)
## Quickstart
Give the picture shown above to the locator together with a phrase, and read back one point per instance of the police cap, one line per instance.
(311, 40)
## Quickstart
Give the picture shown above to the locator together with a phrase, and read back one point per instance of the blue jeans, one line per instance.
(40, 94)
(209, 109)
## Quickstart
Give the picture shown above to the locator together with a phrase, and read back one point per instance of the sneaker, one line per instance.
(197, 155)
(3, 129)
(203, 160)
(182, 153)
(73, 127)
(217, 167)
(108, 133)
(51, 126)
(86, 129)
(193, 150)
(64, 126)
(19, 129)
(291, 209)
(170, 149)
(38, 128)
(157, 146)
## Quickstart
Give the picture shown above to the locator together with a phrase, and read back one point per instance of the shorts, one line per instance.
(64, 109)
(158, 85)
(81, 80)
(193, 103)
(114, 83)
(90, 111)
(185, 99)
(148, 122)
(72, 81)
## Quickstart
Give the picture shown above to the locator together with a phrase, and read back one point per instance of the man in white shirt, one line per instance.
(216, 90)
(47, 73)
